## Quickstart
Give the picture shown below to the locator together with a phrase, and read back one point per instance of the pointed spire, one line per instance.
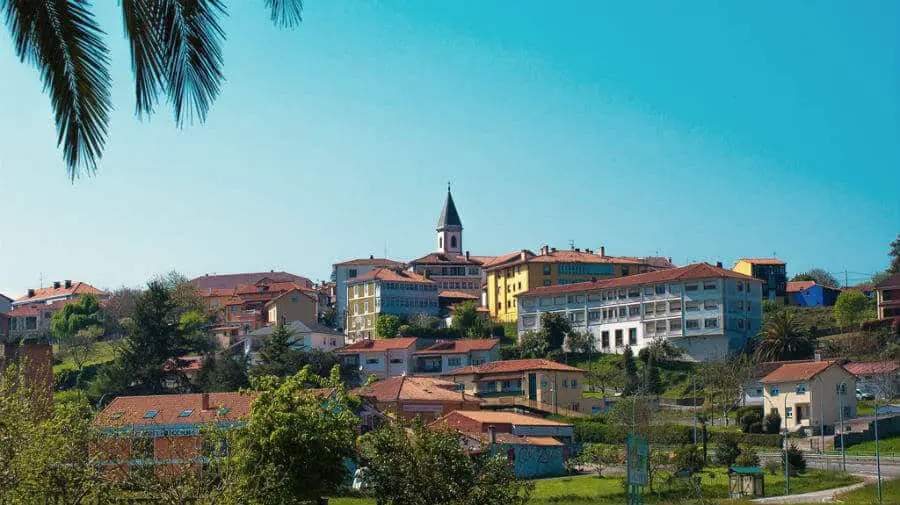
(449, 216)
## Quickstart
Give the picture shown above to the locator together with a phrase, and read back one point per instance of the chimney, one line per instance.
(817, 355)
(545, 249)
(553, 249)
(371, 256)
(68, 283)
(718, 264)
(522, 255)
(204, 401)
(467, 255)
(602, 251)
(492, 434)
(30, 293)
(56, 285)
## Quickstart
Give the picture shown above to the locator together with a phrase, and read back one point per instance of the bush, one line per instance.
(596, 430)
(747, 457)
(755, 439)
(795, 459)
(772, 423)
(748, 416)
(508, 352)
(689, 457)
(755, 428)
(772, 467)
(727, 451)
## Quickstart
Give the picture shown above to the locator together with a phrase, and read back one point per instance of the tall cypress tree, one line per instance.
(630, 368)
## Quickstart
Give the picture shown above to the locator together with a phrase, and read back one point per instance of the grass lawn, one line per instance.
(886, 446)
(867, 495)
(592, 490)
(103, 351)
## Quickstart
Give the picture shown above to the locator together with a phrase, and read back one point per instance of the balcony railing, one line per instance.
(499, 394)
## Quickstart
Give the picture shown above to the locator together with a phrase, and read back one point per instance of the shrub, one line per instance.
(795, 459)
(747, 416)
(772, 423)
(756, 427)
(689, 457)
(727, 451)
(747, 457)
(508, 352)
(755, 439)
(772, 467)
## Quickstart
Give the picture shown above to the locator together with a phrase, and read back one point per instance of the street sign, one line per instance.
(637, 461)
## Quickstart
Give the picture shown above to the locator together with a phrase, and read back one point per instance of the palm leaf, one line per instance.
(62, 39)
(286, 13)
(142, 20)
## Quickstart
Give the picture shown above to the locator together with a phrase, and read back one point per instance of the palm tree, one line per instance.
(782, 337)
(176, 51)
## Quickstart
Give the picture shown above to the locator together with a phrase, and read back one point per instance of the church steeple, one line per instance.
(449, 227)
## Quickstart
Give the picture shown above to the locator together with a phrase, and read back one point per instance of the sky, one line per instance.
(703, 130)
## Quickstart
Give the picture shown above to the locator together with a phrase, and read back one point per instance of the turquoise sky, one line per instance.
(698, 130)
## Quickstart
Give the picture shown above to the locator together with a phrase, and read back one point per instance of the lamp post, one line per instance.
(877, 454)
(842, 390)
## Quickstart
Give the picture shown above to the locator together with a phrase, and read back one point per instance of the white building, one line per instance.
(707, 311)
(304, 336)
(383, 358)
(349, 270)
(449, 355)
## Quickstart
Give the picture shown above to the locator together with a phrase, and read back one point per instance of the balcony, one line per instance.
(499, 394)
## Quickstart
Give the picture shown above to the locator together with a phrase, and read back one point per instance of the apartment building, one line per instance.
(446, 356)
(347, 271)
(512, 274)
(887, 294)
(387, 291)
(30, 315)
(707, 311)
(773, 273)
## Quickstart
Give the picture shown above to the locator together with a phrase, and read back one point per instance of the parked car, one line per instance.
(864, 396)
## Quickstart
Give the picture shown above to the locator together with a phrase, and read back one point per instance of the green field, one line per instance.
(102, 352)
(887, 446)
(593, 490)
(866, 495)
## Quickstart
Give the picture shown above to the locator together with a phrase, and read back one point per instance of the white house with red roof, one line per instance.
(449, 355)
(383, 358)
(348, 270)
(30, 315)
(707, 311)
(808, 394)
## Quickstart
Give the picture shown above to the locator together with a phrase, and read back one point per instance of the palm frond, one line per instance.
(142, 20)
(62, 39)
(192, 58)
(285, 13)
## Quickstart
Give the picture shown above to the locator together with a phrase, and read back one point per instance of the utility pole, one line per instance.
(845, 278)
(842, 390)
(877, 454)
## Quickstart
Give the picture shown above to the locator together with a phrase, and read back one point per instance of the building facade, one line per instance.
(304, 336)
(385, 291)
(887, 295)
(30, 315)
(706, 311)
(810, 294)
(773, 273)
(383, 358)
(806, 395)
(877, 378)
(425, 397)
(447, 356)
(349, 270)
(510, 275)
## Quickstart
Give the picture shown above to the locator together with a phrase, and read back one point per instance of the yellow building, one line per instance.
(294, 305)
(772, 271)
(512, 274)
(806, 394)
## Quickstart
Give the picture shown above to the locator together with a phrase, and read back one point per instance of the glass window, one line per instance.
(632, 336)
(594, 315)
(634, 311)
(604, 339)
(650, 328)
(621, 294)
(710, 305)
(710, 285)
(186, 412)
(674, 288)
(692, 306)
(711, 323)
(634, 293)
(674, 324)
(565, 383)
(691, 287)
(648, 290)
(454, 361)
(648, 309)
(675, 306)
(622, 312)
(660, 289)
(574, 383)
(692, 324)
(789, 412)
(547, 269)
(372, 361)
(150, 414)
(774, 391)
(618, 338)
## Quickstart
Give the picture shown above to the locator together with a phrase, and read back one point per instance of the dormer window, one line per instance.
(151, 414)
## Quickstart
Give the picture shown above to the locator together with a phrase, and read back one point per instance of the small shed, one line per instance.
(746, 481)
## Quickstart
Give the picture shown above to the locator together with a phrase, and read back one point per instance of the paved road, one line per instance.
(857, 465)
(814, 497)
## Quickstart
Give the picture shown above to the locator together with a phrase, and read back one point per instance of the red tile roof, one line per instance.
(494, 417)
(217, 292)
(695, 271)
(581, 257)
(271, 287)
(131, 410)
(423, 389)
(872, 367)
(508, 258)
(797, 286)
(286, 293)
(439, 258)
(516, 365)
(510, 439)
(185, 364)
(892, 281)
(460, 346)
(371, 261)
(386, 274)
(232, 281)
(762, 261)
(792, 372)
(36, 309)
(449, 293)
(77, 288)
(379, 345)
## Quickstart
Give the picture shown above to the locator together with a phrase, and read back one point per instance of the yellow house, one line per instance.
(807, 394)
(512, 274)
(293, 305)
(772, 271)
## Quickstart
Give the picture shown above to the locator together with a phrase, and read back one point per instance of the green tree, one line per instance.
(532, 344)
(727, 451)
(76, 328)
(783, 338)
(819, 276)
(598, 457)
(894, 253)
(467, 320)
(387, 325)
(852, 308)
(629, 368)
(554, 326)
(652, 380)
(689, 457)
(275, 356)
(329, 317)
(294, 446)
(223, 373)
(422, 466)
(176, 52)
(580, 341)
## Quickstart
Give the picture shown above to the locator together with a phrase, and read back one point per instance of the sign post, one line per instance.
(637, 462)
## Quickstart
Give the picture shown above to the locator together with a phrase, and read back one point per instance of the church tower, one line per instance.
(449, 228)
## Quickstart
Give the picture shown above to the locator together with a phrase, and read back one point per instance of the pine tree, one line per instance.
(275, 354)
(630, 368)
(652, 380)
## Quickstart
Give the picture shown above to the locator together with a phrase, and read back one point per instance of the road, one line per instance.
(857, 465)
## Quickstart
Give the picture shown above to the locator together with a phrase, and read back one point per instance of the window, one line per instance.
(789, 413)
(692, 324)
(372, 361)
(691, 287)
(618, 338)
(674, 288)
(660, 289)
(650, 328)
(740, 323)
(604, 339)
(648, 309)
(547, 282)
(453, 241)
(356, 308)
(396, 361)
(711, 323)
(675, 306)
(547, 268)
(692, 306)
(356, 291)
(660, 308)
(186, 412)
(624, 271)
(574, 383)
(674, 324)
(622, 312)
(150, 414)
(846, 411)
(648, 290)
(594, 315)
(529, 321)
(234, 309)
(351, 273)
(740, 286)
(559, 300)
(632, 336)
(454, 361)
(366, 307)
(634, 311)
(634, 293)
(774, 391)
(621, 294)
(709, 285)
(661, 326)
(222, 411)
(710, 305)
(801, 389)
(565, 383)
(740, 304)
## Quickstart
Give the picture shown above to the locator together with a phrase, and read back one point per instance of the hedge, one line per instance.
(755, 439)
(593, 431)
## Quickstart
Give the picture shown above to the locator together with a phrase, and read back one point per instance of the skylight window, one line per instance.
(186, 412)
(117, 415)
(222, 411)
(151, 414)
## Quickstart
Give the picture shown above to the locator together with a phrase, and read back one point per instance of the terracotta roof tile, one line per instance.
(792, 372)
(439, 258)
(689, 272)
(508, 258)
(378, 262)
(389, 275)
(450, 293)
(516, 365)
(133, 410)
(232, 281)
(797, 286)
(872, 367)
(891, 281)
(77, 288)
(460, 346)
(379, 345)
(414, 389)
(35, 309)
(762, 261)
(496, 417)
